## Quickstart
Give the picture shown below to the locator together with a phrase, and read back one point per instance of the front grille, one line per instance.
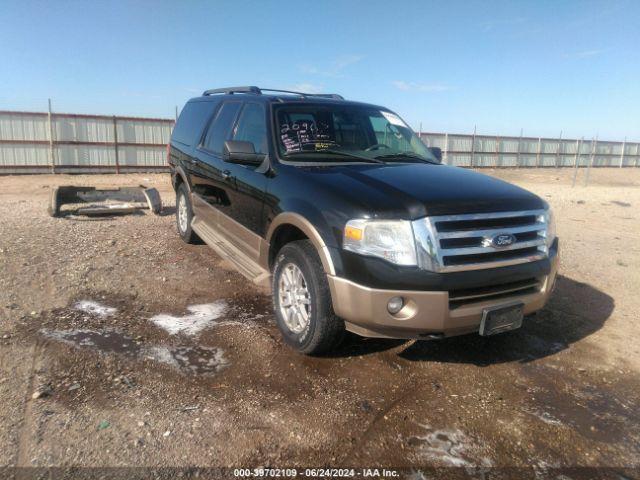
(476, 224)
(466, 296)
(469, 242)
(467, 259)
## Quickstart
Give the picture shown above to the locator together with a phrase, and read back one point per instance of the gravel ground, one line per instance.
(123, 346)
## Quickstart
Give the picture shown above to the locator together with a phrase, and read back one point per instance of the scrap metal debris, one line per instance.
(92, 201)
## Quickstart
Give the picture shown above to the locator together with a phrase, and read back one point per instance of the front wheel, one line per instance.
(302, 300)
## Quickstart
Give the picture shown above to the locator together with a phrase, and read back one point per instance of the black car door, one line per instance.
(235, 191)
(212, 182)
(250, 182)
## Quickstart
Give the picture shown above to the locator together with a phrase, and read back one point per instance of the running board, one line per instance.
(243, 263)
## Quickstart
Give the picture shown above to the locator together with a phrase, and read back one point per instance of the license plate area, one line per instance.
(501, 319)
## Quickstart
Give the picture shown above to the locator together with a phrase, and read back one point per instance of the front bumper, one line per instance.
(426, 314)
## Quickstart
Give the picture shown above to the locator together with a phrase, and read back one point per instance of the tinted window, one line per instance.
(221, 127)
(252, 127)
(191, 122)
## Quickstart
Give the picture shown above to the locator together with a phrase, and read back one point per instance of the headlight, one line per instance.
(551, 226)
(388, 239)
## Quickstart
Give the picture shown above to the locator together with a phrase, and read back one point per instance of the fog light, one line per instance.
(395, 304)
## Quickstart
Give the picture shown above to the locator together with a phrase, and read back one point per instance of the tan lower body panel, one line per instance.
(365, 309)
(217, 230)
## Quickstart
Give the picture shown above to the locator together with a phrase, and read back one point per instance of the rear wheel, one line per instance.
(184, 215)
(302, 300)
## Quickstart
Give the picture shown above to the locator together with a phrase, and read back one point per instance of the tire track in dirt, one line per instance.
(360, 442)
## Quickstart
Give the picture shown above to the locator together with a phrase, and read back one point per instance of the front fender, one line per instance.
(313, 225)
(316, 225)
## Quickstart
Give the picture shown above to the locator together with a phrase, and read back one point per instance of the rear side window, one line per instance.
(192, 119)
(221, 127)
(252, 127)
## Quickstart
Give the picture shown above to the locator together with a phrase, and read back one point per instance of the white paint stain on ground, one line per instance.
(546, 417)
(105, 341)
(193, 360)
(201, 316)
(95, 308)
(449, 447)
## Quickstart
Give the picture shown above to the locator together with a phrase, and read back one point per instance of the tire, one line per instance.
(184, 209)
(313, 328)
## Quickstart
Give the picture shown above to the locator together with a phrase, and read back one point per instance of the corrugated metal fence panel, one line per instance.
(459, 143)
(81, 129)
(23, 126)
(489, 151)
(632, 155)
(135, 131)
(142, 156)
(437, 140)
(85, 141)
(23, 154)
(509, 145)
(81, 141)
(85, 155)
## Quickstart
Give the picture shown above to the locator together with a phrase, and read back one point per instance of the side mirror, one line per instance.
(241, 152)
(436, 152)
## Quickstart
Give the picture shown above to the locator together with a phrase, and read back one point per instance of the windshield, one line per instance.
(334, 132)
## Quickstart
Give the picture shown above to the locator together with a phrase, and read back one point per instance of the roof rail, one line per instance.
(232, 90)
(328, 95)
(258, 91)
(302, 94)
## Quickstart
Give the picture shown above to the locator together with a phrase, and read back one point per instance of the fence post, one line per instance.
(594, 144)
(473, 146)
(558, 149)
(497, 150)
(575, 160)
(51, 151)
(115, 143)
(624, 145)
(446, 148)
(538, 152)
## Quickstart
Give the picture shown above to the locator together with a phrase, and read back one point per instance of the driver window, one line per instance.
(220, 127)
(252, 127)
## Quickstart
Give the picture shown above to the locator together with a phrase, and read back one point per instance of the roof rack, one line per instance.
(258, 91)
(232, 90)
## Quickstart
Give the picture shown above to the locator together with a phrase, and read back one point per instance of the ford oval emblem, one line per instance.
(503, 240)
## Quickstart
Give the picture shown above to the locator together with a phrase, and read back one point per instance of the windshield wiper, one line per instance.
(336, 152)
(406, 155)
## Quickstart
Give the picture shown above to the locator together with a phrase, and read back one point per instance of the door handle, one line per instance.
(226, 175)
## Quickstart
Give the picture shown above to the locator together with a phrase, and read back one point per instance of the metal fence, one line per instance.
(46, 142)
(495, 151)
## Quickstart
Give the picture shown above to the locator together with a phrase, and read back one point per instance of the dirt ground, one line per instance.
(83, 385)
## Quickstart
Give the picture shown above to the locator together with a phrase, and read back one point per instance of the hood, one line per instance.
(416, 190)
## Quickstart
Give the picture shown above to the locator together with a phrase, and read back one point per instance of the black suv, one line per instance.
(342, 213)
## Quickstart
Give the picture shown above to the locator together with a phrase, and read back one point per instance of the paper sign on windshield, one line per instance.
(394, 119)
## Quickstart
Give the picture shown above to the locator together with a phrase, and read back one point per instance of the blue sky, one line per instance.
(544, 66)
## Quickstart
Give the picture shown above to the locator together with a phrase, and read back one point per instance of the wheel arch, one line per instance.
(180, 177)
(290, 226)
